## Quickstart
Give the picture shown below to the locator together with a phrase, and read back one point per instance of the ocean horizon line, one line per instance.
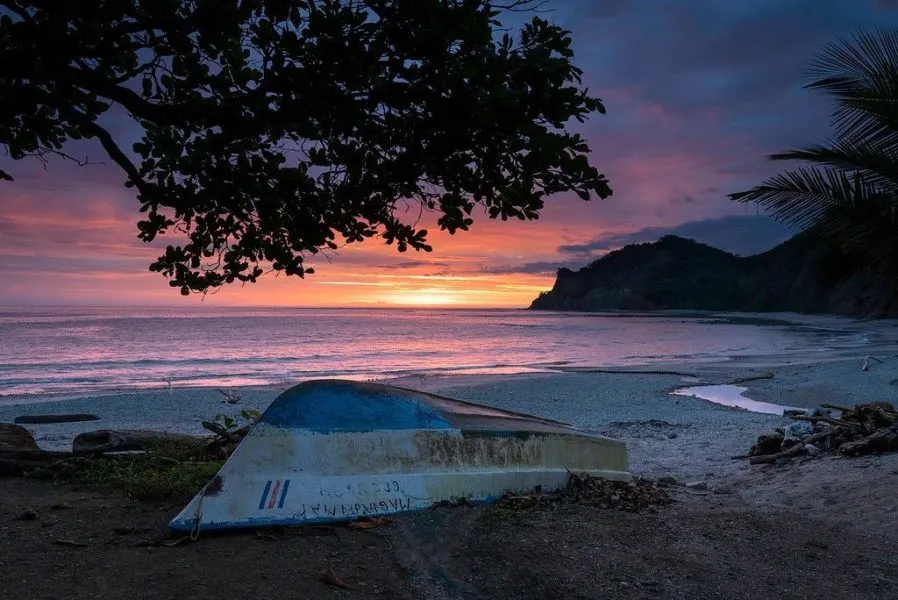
(271, 307)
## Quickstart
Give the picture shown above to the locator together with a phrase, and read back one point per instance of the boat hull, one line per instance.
(287, 475)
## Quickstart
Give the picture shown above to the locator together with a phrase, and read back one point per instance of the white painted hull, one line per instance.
(285, 475)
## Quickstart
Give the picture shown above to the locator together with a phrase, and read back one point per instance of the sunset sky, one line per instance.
(697, 93)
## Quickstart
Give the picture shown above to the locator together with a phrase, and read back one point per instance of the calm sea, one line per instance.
(75, 350)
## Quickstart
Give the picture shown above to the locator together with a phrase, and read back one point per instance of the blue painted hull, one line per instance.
(332, 450)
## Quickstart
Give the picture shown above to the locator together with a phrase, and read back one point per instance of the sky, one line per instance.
(697, 93)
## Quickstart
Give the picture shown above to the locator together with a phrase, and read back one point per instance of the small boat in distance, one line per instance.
(333, 450)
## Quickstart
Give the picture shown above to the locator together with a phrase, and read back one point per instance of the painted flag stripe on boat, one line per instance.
(283, 493)
(270, 496)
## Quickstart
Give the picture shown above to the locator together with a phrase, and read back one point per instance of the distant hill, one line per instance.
(803, 274)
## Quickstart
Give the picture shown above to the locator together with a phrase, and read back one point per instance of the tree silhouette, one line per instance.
(274, 129)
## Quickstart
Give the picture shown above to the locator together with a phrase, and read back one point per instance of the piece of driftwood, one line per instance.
(625, 371)
(73, 543)
(40, 419)
(867, 359)
(219, 430)
(792, 452)
(884, 440)
(123, 440)
(829, 420)
(230, 398)
(767, 444)
(225, 440)
(747, 378)
(327, 575)
(836, 407)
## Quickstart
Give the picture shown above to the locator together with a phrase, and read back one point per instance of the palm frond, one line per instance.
(866, 229)
(801, 197)
(843, 208)
(849, 193)
(877, 166)
(861, 73)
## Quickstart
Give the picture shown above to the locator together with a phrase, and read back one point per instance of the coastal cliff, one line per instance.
(803, 275)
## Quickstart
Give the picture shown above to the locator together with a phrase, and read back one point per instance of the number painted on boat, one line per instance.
(361, 489)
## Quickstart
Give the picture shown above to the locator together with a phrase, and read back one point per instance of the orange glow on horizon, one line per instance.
(62, 244)
(426, 297)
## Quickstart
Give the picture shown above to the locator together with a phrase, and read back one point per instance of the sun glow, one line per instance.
(425, 297)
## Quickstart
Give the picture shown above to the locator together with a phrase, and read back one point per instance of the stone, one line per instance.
(123, 440)
(28, 515)
(15, 437)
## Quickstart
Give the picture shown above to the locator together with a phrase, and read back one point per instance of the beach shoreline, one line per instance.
(593, 399)
(682, 437)
(73, 355)
(735, 530)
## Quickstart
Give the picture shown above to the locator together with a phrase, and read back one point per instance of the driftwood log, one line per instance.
(827, 420)
(793, 451)
(123, 440)
(884, 440)
(38, 419)
(225, 440)
(20, 454)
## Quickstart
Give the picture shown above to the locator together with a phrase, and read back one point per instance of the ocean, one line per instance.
(53, 351)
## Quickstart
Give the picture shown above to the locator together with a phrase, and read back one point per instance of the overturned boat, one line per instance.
(333, 450)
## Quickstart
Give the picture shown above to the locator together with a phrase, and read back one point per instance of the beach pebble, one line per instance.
(699, 486)
(28, 515)
(812, 449)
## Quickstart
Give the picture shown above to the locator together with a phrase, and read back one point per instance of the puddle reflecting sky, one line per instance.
(730, 395)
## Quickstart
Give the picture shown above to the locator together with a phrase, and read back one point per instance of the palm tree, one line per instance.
(849, 190)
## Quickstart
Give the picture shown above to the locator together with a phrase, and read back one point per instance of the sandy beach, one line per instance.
(811, 529)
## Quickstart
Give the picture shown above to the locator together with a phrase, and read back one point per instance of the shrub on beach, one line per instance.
(163, 472)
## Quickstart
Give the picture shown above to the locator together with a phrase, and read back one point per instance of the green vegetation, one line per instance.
(233, 423)
(805, 274)
(849, 193)
(269, 130)
(166, 471)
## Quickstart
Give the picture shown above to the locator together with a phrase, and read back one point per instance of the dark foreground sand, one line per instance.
(821, 529)
(713, 546)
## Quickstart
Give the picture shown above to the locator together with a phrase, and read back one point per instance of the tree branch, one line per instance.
(130, 100)
(116, 154)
